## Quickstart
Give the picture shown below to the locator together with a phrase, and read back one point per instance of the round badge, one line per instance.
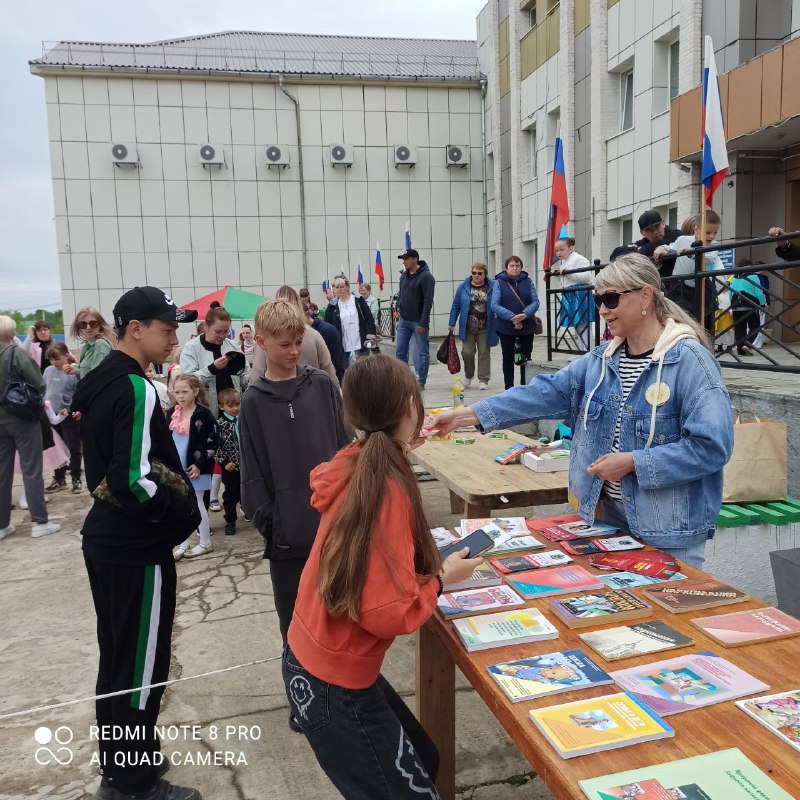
(657, 394)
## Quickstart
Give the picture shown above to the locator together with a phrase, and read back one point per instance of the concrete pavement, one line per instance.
(225, 620)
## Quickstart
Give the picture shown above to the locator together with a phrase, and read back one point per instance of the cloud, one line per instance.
(27, 229)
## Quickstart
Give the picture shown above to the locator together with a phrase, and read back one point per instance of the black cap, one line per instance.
(410, 253)
(148, 302)
(648, 219)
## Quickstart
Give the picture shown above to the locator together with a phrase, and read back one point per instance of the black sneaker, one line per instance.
(230, 528)
(163, 790)
(56, 486)
(106, 791)
(77, 486)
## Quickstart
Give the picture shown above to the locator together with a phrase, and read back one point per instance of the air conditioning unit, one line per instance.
(211, 155)
(405, 155)
(124, 153)
(342, 155)
(457, 155)
(277, 155)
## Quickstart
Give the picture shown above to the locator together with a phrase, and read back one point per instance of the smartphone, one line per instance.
(230, 354)
(478, 542)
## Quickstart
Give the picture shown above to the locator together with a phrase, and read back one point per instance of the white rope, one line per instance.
(66, 703)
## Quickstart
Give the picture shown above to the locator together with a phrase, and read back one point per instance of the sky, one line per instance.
(28, 253)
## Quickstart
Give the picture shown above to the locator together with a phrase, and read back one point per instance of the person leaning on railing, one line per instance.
(651, 418)
(785, 250)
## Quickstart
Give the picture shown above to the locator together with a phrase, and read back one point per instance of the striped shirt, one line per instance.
(630, 368)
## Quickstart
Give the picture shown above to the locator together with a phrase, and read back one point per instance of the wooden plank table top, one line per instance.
(700, 731)
(470, 472)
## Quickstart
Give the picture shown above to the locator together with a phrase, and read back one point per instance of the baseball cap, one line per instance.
(648, 219)
(410, 253)
(148, 302)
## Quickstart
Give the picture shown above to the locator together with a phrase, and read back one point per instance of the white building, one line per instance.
(336, 108)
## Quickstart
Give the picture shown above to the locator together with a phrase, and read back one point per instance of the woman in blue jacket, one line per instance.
(472, 308)
(514, 302)
(651, 418)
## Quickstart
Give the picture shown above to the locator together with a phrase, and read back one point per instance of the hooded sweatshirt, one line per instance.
(286, 429)
(416, 295)
(394, 600)
(123, 429)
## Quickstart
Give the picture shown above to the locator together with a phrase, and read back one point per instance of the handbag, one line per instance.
(758, 468)
(537, 322)
(453, 361)
(444, 349)
(20, 398)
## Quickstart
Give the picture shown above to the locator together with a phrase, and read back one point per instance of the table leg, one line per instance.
(436, 704)
(456, 503)
(476, 512)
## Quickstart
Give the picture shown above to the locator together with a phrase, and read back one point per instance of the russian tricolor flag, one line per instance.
(715, 154)
(379, 266)
(558, 216)
(408, 235)
(360, 276)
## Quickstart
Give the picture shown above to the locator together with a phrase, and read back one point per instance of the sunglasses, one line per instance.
(92, 323)
(611, 299)
(478, 272)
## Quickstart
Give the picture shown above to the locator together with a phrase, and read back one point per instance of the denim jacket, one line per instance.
(680, 441)
(459, 311)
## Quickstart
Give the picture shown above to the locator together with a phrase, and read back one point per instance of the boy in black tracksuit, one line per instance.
(128, 536)
(290, 422)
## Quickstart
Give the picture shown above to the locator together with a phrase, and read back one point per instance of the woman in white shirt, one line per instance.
(577, 307)
(350, 315)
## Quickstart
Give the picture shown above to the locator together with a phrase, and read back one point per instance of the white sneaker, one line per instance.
(7, 531)
(482, 386)
(45, 529)
(23, 503)
(467, 383)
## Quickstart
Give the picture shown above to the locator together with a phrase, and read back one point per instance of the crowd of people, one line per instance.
(309, 431)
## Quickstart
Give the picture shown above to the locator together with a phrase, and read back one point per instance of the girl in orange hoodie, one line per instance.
(374, 573)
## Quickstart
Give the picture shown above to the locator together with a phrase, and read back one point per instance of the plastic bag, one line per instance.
(453, 361)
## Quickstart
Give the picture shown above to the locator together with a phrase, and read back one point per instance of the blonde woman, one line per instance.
(96, 337)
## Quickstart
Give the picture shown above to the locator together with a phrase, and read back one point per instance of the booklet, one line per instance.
(592, 546)
(567, 531)
(749, 627)
(724, 775)
(599, 723)
(524, 563)
(598, 608)
(687, 682)
(471, 601)
(510, 534)
(627, 580)
(537, 676)
(640, 639)
(558, 580)
(483, 575)
(695, 595)
(520, 626)
(779, 713)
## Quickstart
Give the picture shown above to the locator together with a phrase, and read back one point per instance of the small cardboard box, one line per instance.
(547, 461)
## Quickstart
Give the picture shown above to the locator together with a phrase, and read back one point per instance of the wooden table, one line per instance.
(700, 731)
(478, 484)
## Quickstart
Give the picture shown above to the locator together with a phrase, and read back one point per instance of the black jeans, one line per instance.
(746, 325)
(285, 577)
(70, 432)
(367, 741)
(135, 645)
(232, 481)
(507, 343)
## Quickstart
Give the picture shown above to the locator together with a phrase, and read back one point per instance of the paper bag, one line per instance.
(758, 469)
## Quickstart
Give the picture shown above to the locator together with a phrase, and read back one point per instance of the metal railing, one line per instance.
(387, 319)
(745, 333)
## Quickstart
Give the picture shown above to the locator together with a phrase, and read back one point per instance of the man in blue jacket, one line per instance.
(414, 303)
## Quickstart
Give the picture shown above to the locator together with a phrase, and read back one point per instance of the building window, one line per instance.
(626, 100)
(672, 217)
(674, 63)
(627, 231)
(533, 153)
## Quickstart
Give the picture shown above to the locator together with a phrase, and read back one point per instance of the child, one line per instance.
(374, 573)
(60, 388)
(291, 422)
(228, 454)
(194, 432)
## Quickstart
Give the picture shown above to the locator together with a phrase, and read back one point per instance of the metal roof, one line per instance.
(287, 53)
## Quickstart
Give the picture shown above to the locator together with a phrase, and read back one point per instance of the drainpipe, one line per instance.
(483, 156)
(302, 182)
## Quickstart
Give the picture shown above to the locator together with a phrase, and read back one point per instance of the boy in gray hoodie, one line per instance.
(290, 422)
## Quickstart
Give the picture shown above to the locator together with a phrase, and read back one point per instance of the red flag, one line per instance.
(559, 208)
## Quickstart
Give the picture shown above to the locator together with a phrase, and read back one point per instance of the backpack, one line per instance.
(19, 397)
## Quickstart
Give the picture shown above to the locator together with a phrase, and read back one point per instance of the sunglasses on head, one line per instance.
(92, 323)
(611, 299)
